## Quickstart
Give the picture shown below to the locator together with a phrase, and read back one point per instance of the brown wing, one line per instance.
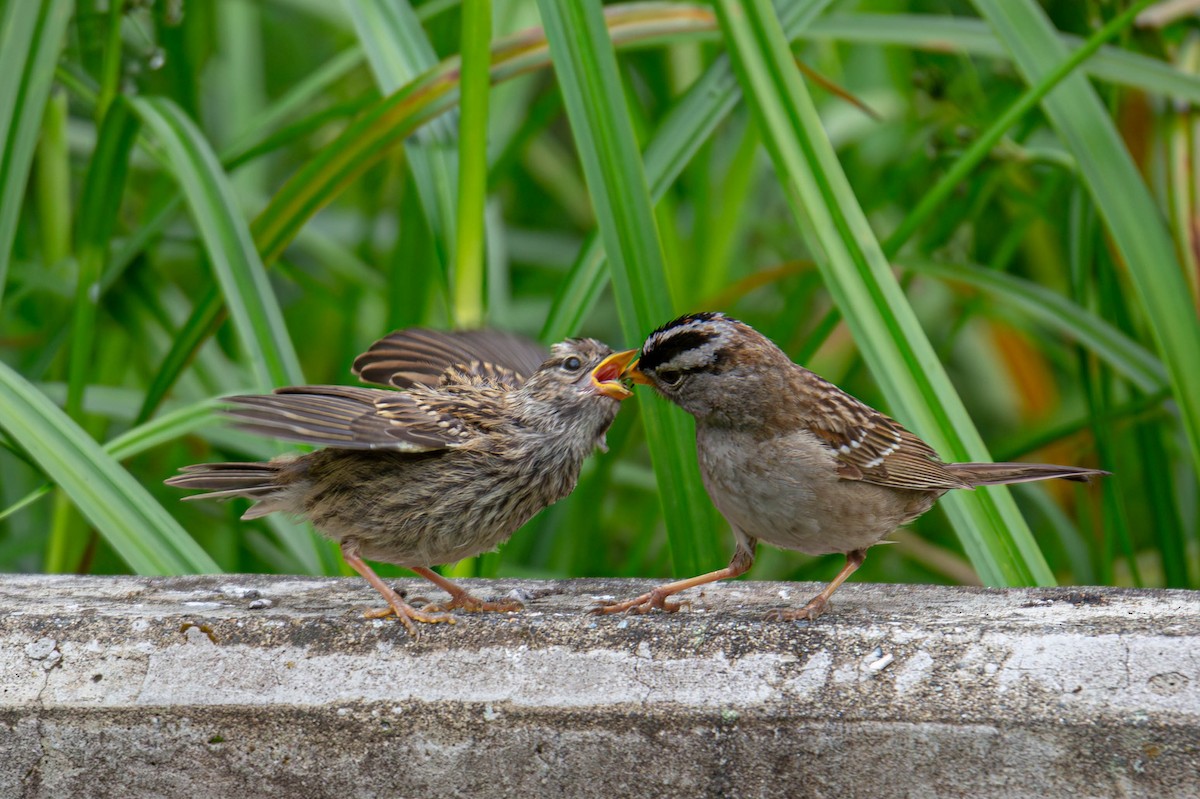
(418, 356)
(872, 447)
(348, 417)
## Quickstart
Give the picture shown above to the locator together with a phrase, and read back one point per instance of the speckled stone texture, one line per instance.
(246, 686)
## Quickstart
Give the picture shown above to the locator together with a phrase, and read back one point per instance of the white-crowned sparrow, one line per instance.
(788, 457)
(487, 433)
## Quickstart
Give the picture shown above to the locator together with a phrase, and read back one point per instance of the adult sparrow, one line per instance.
(488, 431)
(788, 457)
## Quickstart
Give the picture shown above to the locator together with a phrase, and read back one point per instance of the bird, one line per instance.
(487, 430)
(790, 459)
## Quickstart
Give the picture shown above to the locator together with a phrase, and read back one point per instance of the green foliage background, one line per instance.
(989, 229)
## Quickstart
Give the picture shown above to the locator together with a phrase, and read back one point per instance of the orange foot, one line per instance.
(407, 614)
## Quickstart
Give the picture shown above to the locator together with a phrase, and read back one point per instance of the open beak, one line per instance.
(606, 378)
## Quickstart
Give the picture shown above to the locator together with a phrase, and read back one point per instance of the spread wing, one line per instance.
(872, 447)
(418, 356)
(349, 417)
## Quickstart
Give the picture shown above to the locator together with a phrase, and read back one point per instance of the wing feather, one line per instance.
(349, 417)
(872, 447)
(418, 356)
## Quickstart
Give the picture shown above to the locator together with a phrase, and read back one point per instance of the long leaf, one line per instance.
(983, 145)
(129, 519)
(393, 119)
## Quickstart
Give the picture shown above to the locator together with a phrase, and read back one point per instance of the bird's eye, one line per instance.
(572, 364)
(670, 377)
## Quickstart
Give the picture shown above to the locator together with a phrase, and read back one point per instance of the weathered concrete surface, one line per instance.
(191, 687)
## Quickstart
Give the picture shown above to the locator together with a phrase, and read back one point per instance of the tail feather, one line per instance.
(986, 474)
(257, 481)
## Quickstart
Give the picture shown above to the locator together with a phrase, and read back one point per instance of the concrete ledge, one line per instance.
(276, 686)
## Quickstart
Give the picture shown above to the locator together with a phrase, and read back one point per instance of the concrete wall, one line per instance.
(272, 686)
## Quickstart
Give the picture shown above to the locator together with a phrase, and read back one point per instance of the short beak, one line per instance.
(629, 366)
(606, 378)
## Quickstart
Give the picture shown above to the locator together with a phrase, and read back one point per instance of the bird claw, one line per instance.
(641, 604)
(406, 615)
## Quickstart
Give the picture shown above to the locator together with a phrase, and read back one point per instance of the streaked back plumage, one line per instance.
(443, 470)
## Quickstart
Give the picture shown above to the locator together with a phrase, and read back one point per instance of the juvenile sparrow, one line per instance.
(487, 432)
(788, 457)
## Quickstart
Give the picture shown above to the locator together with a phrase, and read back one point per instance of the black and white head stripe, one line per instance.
(689, 343)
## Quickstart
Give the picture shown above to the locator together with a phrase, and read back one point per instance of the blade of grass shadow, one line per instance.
(859, 278)
(1130, 216)
(31, 36)
(586, 66)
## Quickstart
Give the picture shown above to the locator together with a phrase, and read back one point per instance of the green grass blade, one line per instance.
(586, 66)
(129, 519)
(1130, 216)
(296, 538)
(244, 285)
(31, 36)
(859, 278)
(258, 140)
(472, 163)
